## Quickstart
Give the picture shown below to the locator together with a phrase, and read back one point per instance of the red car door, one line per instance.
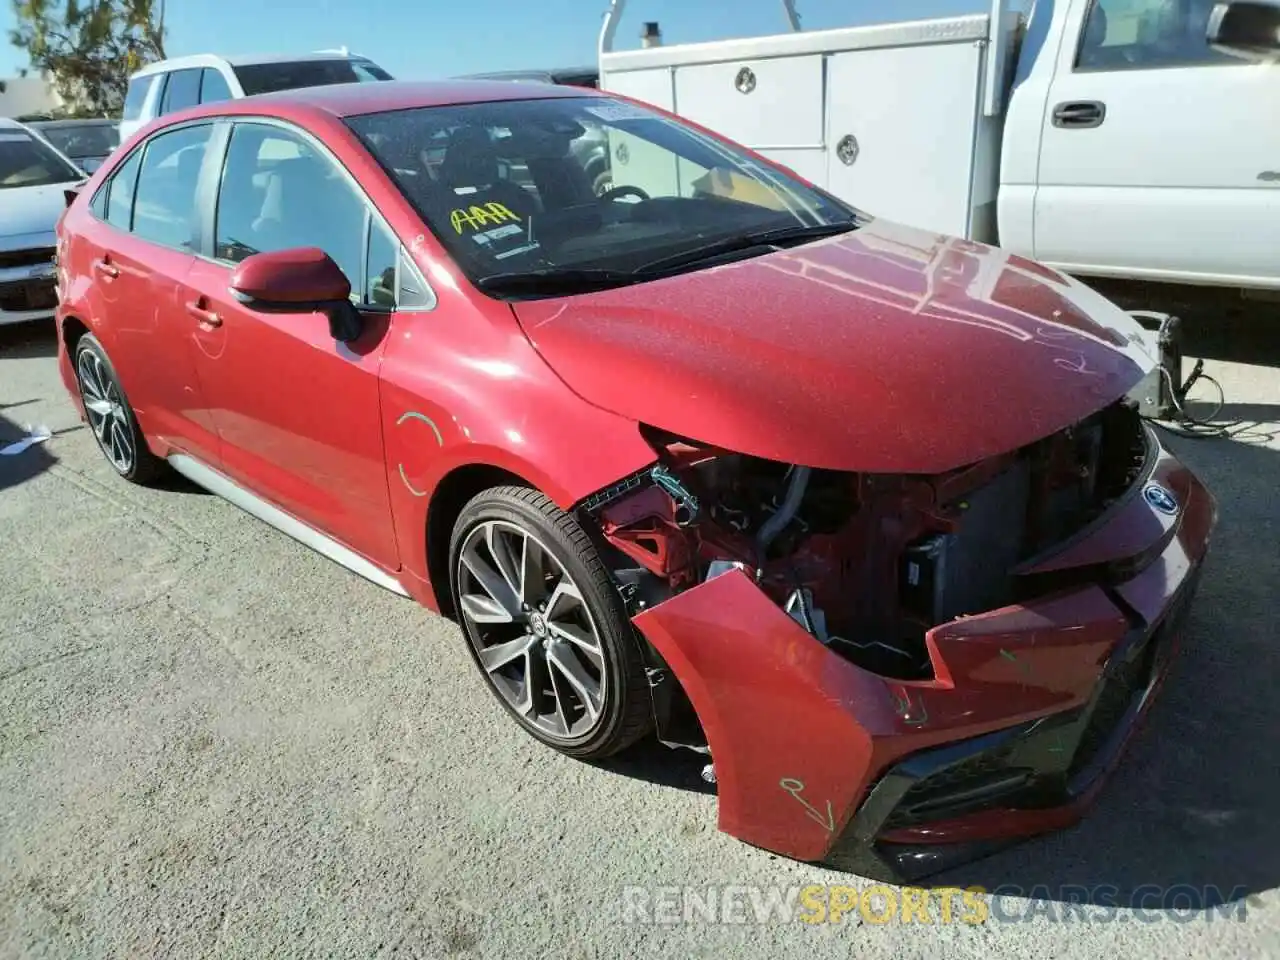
(296, 410)
(136, 244)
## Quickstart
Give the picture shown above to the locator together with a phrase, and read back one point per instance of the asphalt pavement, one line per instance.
(214, 742)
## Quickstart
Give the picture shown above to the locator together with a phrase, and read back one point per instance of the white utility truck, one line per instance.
(1137, 140)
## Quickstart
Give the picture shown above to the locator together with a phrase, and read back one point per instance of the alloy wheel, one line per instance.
(106, 411)
(531, 630)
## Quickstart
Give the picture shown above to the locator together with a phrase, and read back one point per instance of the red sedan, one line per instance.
(860, 511)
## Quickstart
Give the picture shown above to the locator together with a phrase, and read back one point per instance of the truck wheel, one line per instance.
(545, 624)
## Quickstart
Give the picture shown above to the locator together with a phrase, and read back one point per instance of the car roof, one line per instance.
(238, 60)
(354, 99)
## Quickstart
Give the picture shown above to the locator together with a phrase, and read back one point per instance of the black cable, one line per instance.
(1189, 425)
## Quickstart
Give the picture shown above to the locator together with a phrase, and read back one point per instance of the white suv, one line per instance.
(173, 84)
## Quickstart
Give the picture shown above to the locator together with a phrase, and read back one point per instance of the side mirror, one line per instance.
(1246, 28)
(294, 281)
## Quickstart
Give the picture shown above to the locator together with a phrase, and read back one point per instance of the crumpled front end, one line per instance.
(895, 673)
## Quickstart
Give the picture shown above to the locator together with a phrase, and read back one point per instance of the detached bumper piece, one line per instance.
(1053, 763)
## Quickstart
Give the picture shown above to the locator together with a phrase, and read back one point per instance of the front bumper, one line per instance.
(28, 290)
(1029, 710)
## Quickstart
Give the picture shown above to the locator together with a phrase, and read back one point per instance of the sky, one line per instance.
(429, 39)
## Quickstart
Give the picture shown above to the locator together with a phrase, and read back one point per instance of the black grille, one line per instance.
(26, 258)
(28, 295)
(957, 788)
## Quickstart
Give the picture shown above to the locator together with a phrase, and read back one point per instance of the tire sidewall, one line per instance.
(611, 622)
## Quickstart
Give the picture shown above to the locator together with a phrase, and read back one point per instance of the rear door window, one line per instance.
(119, 212)
(183, 91)
(213, 86)
(136, 96)
(164, 209)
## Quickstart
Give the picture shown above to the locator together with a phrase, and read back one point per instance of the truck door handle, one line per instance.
(1079, 114)
(197, 309)
(105, 269)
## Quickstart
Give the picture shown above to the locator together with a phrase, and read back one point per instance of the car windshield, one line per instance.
(561, 193)
(269, 77)
(26, 161)
(89, 140)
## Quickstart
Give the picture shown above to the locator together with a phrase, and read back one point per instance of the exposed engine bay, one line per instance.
(865, 563)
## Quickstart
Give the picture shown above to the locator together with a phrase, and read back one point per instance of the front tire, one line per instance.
(110, 417)
(545, 624)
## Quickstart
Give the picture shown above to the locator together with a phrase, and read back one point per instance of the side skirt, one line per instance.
(229, 490)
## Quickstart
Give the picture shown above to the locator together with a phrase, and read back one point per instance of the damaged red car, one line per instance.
(861, 512)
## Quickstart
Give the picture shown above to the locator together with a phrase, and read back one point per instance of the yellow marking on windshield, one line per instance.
(477, 216)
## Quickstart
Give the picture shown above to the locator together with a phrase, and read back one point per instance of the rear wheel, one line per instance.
(110, 417)
(545, 624)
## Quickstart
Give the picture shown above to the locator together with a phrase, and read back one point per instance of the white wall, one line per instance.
(25, 95)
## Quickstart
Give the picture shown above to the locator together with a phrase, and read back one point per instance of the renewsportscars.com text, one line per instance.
(826, 904)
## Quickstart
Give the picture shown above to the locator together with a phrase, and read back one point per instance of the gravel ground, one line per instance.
(214, 742)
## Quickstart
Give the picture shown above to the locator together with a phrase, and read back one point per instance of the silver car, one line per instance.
(33, 180)
(87, 143)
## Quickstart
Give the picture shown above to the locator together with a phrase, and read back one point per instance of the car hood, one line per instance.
(887, 349)
(30, 210)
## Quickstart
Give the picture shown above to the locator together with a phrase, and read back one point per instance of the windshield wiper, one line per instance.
(746, 241)
(552, 281)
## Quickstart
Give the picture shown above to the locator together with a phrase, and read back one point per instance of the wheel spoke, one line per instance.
(99, 377)
(558, 694)
(500, 654)
(482, 608)
(491, 581)
(87, 383)
(126, 444)
(535, 674)
(580, 638)
(564, 597)
(109, 438)
(506, 556)
(533, 576)
(563, 659)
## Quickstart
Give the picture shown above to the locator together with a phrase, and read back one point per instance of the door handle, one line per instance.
(106, 269)
(1079, 114)
(208, 318)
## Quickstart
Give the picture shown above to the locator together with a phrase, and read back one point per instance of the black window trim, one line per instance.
(209, 188)
(1138, 68)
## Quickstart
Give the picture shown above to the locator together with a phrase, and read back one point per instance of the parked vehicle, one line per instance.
(861, 510)
(86, 142)
(1121, 139)
(569, 76)
(591, 151)
(33, 180)
(179, 82)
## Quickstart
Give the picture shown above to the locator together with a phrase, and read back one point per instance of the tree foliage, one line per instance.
(88, 48)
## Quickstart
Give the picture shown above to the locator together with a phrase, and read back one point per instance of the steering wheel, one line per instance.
(623, 190)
